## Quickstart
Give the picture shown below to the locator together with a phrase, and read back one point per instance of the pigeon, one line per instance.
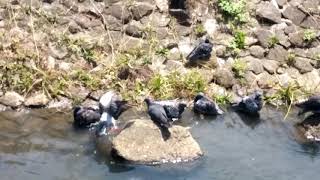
(173, 108)
(250, 104)
(111, 107)
(201, 52)
(204, 105)
(312, 104)
(157, 114)
(85, 116)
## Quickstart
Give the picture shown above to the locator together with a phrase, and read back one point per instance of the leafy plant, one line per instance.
(291, 58)
(177, 85)
(200, 30)
(239, 68)
(273, 40)
(222, 99)
(239, 40)
(162, 51)
(234, 10)
(309, 35)
(88, 80)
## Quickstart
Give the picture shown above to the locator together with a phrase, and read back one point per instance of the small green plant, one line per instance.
(222, 99)
(162, 52)
(239, 40)
(159, 86)
(309, 35)
(200, 30)
(87, 80)
(177, 85)
(291, 58)
(239, 68)
(273, 40)
(234, 10)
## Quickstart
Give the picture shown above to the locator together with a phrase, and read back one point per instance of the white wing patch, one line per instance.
(105, 99)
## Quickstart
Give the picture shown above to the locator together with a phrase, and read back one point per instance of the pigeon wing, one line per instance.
(171, 111)
(194, 54)
(158, 114)
(117, 107)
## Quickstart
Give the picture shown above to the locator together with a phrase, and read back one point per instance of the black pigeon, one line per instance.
(204, 105)
(250, 104)
(173, 108)
(157, 114)
(85, 116)
(111, 107)
(312, 104)
(201, 52)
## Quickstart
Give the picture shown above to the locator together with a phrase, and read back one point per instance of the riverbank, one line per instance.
(56, 54)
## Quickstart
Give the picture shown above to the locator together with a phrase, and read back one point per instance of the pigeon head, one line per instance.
(147, 101)
(258, 95)
(76, 110)
(198, 96)
(182, 106)
(207, 40)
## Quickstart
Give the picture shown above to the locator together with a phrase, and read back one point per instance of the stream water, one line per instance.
(42, 145)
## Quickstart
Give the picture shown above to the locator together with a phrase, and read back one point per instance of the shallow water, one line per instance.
(42, 144)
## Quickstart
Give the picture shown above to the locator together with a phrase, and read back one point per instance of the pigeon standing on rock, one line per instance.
(85, 116)
(157, 114)
(250, 104)
(312, 104)
(173, 108)
(201, 52)
(111, 107)
(204, 105)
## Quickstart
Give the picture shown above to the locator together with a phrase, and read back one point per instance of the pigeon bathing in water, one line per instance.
(250, 104)
(201, 52)
(173, 108)
(111, 107)
(158, 114)
(312, 104)
(85, 116)
(204, 105)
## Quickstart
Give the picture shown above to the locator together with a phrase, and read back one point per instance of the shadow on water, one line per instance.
(42, 144)
(251, 120)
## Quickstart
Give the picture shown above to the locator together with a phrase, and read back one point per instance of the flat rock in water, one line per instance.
(141, 142)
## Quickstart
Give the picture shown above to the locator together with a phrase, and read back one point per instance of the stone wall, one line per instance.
(68, 47)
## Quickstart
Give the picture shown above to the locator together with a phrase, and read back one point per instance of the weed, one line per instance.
(234, 10)
(273, 40)
(238, 40)
(287, 94)
(177, 85)
(239, 68)
(160, 87)
(87, 80)
(17, 77)
(309, 35)
(162, 52)
(291, 58)
(222, 99)
(200, 30)
(193, 83)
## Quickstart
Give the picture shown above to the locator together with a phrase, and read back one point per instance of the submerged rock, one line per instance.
(142, 142)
